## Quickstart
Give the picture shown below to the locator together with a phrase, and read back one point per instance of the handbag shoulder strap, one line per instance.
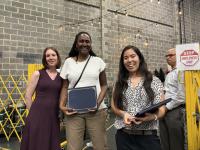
(82, 72)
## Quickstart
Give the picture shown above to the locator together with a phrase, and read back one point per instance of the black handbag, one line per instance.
(82, 99)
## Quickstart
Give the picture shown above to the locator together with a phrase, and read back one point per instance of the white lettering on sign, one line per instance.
(189, 57)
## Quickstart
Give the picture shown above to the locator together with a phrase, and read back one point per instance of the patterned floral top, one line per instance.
(135, 100)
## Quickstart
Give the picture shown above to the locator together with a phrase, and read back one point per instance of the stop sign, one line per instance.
(189, 57)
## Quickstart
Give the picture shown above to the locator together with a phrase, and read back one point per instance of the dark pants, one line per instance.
(125, 141)
(172, 130)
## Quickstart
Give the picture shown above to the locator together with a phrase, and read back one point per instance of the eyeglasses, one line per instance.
(170, 55)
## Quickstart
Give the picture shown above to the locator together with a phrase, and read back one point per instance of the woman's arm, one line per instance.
(116, 110)
(161, 111)
(103, 85)
(30, 89)
(63, 98)
(127, 118)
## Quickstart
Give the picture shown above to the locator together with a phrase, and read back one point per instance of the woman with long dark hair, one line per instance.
(134, 90)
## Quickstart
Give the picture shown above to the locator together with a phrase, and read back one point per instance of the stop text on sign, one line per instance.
(189, 57)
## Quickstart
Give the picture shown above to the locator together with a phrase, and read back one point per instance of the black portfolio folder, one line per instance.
(153, 108)
(83, 98)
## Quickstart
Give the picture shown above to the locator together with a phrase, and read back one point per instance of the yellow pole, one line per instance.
(192, 87)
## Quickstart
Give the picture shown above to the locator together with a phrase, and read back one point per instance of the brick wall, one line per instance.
(190, 21)
(28, 26)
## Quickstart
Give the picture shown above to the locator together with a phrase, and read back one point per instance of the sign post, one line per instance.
(188, 60)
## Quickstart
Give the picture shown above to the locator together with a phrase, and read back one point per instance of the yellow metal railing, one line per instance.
(12, 105)
(192, 87)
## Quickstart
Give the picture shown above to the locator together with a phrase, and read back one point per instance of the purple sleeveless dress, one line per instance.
(41, 131)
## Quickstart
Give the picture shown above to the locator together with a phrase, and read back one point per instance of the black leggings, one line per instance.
(125, 141)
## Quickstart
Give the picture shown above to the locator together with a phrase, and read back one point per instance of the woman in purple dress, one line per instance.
(41, 131)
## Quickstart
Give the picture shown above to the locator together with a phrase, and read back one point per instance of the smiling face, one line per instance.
(51, 58)
(131, 61)
(83, 44)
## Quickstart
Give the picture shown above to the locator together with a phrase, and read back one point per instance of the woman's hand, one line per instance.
(127, 118)
(63, 99)
(147, 117)
(93, 110)
(67, 111)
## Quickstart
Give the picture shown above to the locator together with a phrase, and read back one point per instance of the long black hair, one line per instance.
(160, 74)
(74, 52)
(123, 75)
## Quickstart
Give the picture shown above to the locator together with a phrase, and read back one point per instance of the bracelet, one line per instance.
(156, 117)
